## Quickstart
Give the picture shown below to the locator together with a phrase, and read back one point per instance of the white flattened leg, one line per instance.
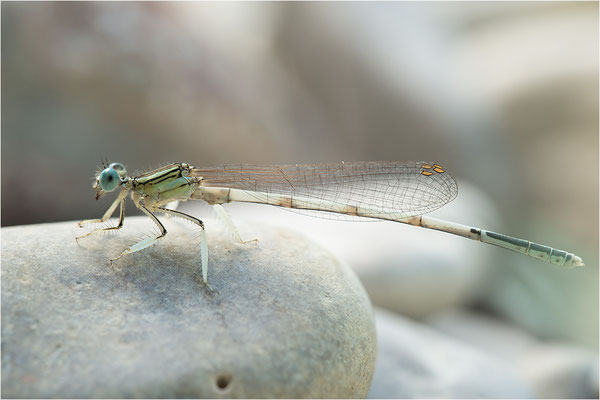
(120, 200)
(108, 212)
(148, 241)
(203, 241)
(204, 255)
(229, 223)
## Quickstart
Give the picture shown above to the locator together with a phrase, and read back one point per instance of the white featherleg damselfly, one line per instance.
(395, 191)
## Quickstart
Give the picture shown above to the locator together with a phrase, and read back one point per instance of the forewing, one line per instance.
(388, 189)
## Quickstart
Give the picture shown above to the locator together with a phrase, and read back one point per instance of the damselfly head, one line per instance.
(109, 179)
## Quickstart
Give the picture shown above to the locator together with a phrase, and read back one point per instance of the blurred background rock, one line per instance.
(504, 95)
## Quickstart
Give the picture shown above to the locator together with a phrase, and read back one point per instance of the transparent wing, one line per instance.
(389, 189)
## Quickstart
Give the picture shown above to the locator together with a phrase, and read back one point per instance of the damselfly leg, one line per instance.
(224, 216)
(119, 201)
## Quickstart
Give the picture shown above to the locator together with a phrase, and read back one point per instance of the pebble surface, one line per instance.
(415, 361)
(285, 319)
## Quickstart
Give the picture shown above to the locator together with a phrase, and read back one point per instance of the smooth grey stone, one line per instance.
(414, 361)
(286, 318)
(561, 371)
(553, 369)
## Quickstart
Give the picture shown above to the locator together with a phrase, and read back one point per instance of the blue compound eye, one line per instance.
(120, 168)
(109, 179)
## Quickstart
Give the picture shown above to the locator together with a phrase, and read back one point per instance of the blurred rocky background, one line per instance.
(504, 95)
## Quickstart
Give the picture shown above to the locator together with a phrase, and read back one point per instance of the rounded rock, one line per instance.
(415, 361)
(285, 318)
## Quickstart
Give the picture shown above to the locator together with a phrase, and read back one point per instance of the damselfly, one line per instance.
(393, 191)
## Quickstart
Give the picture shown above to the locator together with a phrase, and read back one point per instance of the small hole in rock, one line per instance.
(223, 381)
